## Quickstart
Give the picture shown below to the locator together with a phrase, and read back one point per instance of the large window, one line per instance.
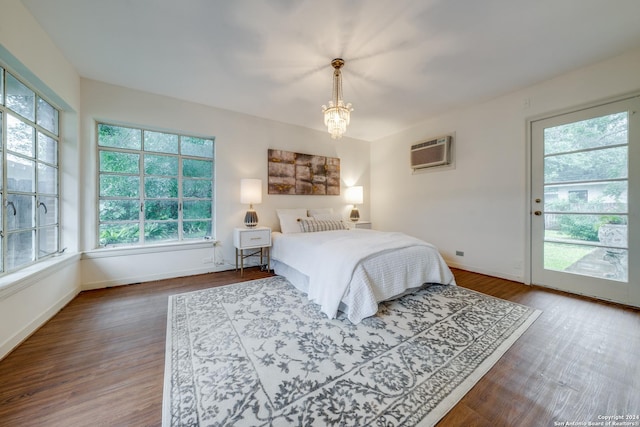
(29, 178)
(154, 187)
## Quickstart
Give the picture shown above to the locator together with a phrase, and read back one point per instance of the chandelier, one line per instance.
(337, 114)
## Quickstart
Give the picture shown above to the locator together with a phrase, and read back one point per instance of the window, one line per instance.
(154, 187)
(29, 179)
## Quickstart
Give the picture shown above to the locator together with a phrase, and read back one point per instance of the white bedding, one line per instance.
(355, 269)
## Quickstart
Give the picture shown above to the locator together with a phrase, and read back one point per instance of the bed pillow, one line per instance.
(289, 219)
(311, 225)
(320, 211)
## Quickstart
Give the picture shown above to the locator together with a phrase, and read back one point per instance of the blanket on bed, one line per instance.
(330, 258)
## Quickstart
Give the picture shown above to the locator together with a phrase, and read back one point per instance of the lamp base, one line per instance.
(250, 219)
(355, 215)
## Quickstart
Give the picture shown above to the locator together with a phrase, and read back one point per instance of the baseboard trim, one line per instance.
(512, 277)
(151, 277)
(19, 337)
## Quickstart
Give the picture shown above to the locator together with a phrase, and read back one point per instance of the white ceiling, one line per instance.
(405, 60)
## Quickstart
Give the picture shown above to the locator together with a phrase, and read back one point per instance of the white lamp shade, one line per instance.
(250, 191)
(355, 195)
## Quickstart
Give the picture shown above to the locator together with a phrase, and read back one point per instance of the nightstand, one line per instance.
(257, 241)
(359, 224)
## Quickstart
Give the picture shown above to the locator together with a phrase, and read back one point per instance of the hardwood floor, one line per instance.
(100, 361)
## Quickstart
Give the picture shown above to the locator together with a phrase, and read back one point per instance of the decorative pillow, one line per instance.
(328, 217)
(320, 211)
(289, 219)
(310, 225)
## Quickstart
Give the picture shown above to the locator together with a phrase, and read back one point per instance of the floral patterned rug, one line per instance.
(259, 353)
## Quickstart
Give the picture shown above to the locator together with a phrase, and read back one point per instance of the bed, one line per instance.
(352, 270)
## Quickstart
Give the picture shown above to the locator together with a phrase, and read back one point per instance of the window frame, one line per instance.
(142, 199)
(39, 225)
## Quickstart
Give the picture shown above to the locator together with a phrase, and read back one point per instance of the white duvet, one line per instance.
(359, 268)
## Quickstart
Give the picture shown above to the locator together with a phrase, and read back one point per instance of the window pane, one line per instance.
(48, 241)
(20, 98)
(160, 165)
(114, 161)
(197, 209)
(47, 116)
(160, 231)
(591, 133)
(20, 174)
(120, 137)
(608, 163)
(160, 142)
(606, 263)
(196, 188)
(585, 228)
(119, 186)
(197, 147)
(119, 210)
(197, 168)
(47, 210)
(47, 149)
(20, 211)
(47, 179)
(19, 249)
(19, 136)
(161, 209)
(196, 229)
(610, 197)
(156, 188)
(116, 234)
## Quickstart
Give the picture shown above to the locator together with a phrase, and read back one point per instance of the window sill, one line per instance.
(149, 249)
(15, 282)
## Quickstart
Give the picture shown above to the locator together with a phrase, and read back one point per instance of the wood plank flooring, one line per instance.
(100, 361)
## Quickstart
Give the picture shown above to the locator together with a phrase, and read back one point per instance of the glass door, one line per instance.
(584, 177)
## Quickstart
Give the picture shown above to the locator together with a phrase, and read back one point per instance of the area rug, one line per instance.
(259, 353)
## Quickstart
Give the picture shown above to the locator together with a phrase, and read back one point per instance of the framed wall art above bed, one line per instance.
(303, 174)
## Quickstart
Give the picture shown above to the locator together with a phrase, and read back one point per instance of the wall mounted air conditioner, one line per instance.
(435, 152)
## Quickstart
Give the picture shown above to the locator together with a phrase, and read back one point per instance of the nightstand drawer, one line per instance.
(252, 238)
(360, 224)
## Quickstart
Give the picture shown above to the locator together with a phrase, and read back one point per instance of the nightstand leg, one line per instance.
(241, 262)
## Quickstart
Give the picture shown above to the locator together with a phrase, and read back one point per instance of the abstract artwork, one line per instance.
(297, 173)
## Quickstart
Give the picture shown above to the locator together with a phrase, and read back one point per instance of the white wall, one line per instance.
(31, 297)
(480, 206)
(241, 152)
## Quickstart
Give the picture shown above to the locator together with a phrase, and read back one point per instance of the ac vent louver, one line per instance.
(435, 152)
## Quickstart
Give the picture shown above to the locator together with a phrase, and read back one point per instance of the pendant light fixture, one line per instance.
(337, 114)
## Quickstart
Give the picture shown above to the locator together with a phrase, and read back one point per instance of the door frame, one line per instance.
(634, 291)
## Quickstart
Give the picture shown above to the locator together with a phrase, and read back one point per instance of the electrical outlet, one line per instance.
(459, 253)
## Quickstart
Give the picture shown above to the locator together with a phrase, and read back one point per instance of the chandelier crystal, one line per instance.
(337, 114)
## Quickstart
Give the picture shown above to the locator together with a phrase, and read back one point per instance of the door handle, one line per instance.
(538, 213)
